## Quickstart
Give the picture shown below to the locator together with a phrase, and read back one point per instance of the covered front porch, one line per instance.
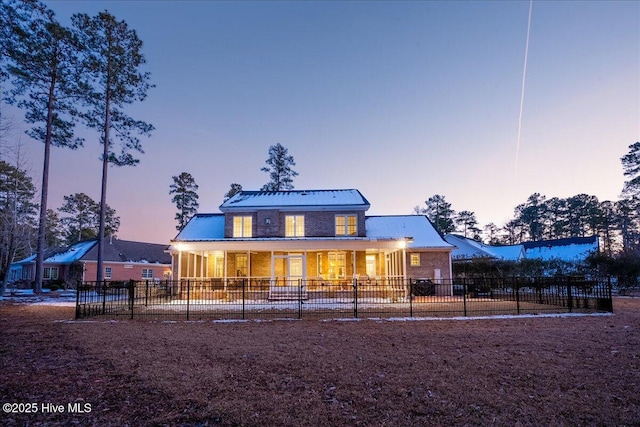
(282, 266)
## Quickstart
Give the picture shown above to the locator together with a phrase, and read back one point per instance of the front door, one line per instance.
(287, 271)
(295, 270)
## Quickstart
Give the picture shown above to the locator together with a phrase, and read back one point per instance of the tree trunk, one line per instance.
(42, 227)
(103, 196)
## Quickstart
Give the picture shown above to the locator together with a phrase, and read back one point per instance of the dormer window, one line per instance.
(242, 226)
(346, 225)
(294, 226)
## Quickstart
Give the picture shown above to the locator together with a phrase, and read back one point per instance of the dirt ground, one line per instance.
(565, 371)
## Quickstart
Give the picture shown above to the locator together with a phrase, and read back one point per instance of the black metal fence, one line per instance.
(243, 299)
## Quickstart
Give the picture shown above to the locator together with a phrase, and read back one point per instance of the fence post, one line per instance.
(569, 297)
(188, 298)
(146, 293)
(610, 293)
(104, 297)
(464, 296)
(517, 288)
(78, 284)
(299, 298)
(132, 295)
(411, 298)
(355, 297)
(244, 281)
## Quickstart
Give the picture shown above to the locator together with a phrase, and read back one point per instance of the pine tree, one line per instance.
(631, 166)
(185, 197)
(440, 213)
(40, 57)
(17, 212)
(83, 218)
(113, 57)
(235, 189)
(467, 221)
(279, 168)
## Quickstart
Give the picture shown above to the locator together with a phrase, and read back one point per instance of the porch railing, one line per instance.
(241, 298)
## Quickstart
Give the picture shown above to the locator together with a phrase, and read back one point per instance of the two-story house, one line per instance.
(279, 239)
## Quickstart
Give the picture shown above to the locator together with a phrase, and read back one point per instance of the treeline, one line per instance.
(616, 223)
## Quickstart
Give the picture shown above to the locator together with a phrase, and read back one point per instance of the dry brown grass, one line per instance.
(507, 372)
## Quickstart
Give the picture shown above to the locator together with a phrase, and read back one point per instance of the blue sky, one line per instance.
(402, 100)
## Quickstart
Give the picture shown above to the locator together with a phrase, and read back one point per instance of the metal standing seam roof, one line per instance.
(417, 228)
(203, 227)
(467, 248)
(295, 198)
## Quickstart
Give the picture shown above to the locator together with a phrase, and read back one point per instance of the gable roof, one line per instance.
(61, 254)
(116, 250)
(418, 228)
(203, 227)
(317, 199)
(71, 253)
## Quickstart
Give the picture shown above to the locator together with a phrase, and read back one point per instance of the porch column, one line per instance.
(404, 264)
(249, 267)
(201, 264)
(179, 271)
(353, 276)
(273, 268)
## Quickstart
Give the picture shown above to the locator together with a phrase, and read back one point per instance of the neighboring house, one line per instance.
(123, 260)
(57, 264)
(469, 249)
(570, 249)
(277, 238)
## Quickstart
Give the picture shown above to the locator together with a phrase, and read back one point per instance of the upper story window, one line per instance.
(107, 272)
(346, 225)
(294, 226)
(147, 273)
(242, 226)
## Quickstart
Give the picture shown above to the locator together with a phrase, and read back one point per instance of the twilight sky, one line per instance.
(401, 100)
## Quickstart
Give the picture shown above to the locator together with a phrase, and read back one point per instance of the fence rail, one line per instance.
(242, 299)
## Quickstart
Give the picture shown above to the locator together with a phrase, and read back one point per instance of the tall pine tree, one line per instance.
(279, 168)
(40, 59)
(184, 190)
(114, 58)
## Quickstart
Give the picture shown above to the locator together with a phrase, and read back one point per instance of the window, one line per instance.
(107, 273)
(294, 226)
(337, 265)
(218, 266)
(242, 226)
(415, 260)
(346, 225)
(147, 273)
(242, 264)
(50, 273)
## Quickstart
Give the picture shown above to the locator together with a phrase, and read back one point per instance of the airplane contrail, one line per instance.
(524, 79)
